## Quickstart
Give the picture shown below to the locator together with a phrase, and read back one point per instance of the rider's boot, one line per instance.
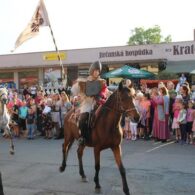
(83, 128)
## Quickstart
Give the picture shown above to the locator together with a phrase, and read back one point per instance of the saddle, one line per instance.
(74, 118)
(90, 123)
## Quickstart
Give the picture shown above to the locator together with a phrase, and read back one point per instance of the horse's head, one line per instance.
(3, 95)
(126, 101)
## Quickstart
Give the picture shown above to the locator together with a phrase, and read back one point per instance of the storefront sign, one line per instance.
(139, 52)
(6, 80)
(30, 80)
(54, 56)
(183, 50)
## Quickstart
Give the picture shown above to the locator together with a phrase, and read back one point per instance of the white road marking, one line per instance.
(157, 143)
(160, 146)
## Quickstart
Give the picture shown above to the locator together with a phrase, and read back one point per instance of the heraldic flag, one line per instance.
(39, 19)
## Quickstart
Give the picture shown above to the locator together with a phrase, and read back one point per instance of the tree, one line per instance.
(141, 36)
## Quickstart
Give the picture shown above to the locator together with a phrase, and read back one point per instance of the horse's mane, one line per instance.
(110, 99)
(107, 105)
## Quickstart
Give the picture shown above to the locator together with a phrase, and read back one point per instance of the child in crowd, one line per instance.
(47, 120)
(182, 122)
(22, 112)
(193, 128)
(146, 104)
(30, 123)
(142, 111)
(127, 128)
(189, 119)
(175, 124)
(133, 127)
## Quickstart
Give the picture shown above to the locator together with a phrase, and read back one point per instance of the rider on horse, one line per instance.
(92, 92)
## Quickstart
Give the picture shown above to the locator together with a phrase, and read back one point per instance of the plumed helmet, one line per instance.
(95, 66)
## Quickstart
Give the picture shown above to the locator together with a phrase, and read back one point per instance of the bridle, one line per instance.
(119, 108)
(3, 101)
(2, 95)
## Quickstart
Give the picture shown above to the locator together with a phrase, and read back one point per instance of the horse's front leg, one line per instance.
(97, 169)
(80, 159)
(1, 186)
(117, 154)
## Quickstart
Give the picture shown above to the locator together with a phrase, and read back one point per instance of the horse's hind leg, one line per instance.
(80, 155)
(97, 169)
(65, 149)
(11, 140)
(117, 154)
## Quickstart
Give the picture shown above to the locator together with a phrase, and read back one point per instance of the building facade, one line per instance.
(43, 68)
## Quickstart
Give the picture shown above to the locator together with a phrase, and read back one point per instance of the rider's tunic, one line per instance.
(87, 103)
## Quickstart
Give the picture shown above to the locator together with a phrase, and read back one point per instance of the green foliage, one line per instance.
(168, 39)
(141, 36)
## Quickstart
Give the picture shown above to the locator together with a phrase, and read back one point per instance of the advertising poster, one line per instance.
(52, 77)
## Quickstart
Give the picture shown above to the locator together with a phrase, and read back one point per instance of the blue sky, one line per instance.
(93, 23)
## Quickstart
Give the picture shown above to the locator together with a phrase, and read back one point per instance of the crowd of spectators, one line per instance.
(37, 113)
(167, 112)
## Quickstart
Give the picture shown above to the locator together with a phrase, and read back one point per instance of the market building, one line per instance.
(43, 68)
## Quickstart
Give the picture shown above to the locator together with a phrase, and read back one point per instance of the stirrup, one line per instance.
(81, 141)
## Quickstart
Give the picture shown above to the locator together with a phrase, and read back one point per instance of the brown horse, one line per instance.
(106, 133)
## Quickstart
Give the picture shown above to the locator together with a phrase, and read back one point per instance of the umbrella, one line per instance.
(129, 73)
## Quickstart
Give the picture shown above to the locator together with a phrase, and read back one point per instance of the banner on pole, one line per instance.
(39, 19)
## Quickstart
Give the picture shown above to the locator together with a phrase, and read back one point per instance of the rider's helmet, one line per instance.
(95, 66)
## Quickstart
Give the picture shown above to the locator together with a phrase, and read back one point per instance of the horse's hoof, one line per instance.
(84, 180)
(61, 169)
(12, 152)
(98, 190)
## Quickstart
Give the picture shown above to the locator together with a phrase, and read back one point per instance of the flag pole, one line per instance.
(58, 53)
(56, 48)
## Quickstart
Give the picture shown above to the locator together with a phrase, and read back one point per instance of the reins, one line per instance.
(119, 108)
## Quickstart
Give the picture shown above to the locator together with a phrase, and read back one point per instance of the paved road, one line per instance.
(152, 169)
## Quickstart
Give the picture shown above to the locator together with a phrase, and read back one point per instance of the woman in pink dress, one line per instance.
(162, 102)
(154, 96)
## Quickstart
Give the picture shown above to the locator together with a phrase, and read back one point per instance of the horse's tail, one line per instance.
(66, 146)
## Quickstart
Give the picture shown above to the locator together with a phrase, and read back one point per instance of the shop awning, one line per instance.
(192, 72)
(180, 66)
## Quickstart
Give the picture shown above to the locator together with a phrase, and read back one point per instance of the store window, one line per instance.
(7, 79)
(28, 78)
